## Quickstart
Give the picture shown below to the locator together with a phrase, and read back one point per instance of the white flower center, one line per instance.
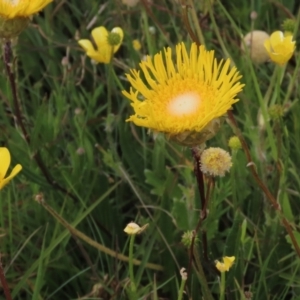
(185, 104)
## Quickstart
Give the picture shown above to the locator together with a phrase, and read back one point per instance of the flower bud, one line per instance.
(234, 143)
(215, 161)
(253, 43)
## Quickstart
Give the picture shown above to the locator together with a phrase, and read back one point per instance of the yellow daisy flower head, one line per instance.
(4, 164)
(107, 43)
(280, 47)
(184, 99)
(15, 15)
(226, 264)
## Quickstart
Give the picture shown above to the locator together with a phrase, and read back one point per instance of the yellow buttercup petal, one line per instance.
(276, 37)
(100, 35)
(87, 45)
(228, 261)
(13, 173)
(4, 162)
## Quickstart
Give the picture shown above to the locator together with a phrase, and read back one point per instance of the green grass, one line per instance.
(112, 172)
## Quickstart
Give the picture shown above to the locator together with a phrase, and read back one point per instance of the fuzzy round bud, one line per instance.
(276, 111)
(187, 238)
(288, 26)
(152, 30)
(215, 161)
(253, 15)
(234, 143)
(253, 44)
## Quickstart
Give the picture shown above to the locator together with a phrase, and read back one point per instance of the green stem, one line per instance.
(181, 289)
(131, 273)
(196, 23)
(91, 242)
(222, 288)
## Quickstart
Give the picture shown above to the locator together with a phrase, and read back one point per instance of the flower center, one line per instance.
(184, 104)
(13, 2)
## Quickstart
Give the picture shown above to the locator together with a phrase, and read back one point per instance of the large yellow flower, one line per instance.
(107, 44)
(11, 9)
(184, 98)
(15, 15)
(4, 164)
(280, 47)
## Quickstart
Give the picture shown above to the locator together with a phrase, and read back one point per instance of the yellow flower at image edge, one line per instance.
(226, 264)
(15, 15)
(107, 44)
(280, 47)
(184, 98)
(4, 164)
(21, 8)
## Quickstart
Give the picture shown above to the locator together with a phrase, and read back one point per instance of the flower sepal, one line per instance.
(11, 28)
(194, 138)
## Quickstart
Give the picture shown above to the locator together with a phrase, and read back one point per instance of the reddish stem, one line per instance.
(4, 283)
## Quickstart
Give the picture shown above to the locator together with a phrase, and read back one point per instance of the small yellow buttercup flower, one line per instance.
(226, 264)
(15, 15)
(186, 98)
(136, 45)
(107, 44)
(280, 47)
(4, 164)
(215, 161)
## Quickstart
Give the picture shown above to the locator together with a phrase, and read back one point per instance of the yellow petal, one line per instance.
(220, 266)
(36, 6)
(228, 261)
(13, 173)
(267, 45)
(4, 162)
(99, 35)
(86, 45)
(276, 37)
(132, 228)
